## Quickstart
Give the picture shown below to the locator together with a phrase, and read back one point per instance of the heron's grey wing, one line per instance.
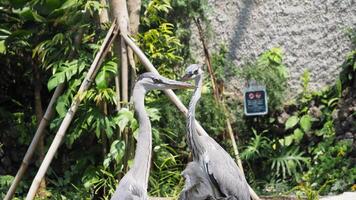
(197, 186)
(129, 189)
(138, 192)
(225, 174)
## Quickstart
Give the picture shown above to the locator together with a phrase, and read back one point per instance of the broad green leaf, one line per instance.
(61, 106)
(288, 140)
(109, 68)
(306, 123)
(118, 150)
(124, 117)
(298, 135)
(100, 80)
(291, 122)
(54, 81)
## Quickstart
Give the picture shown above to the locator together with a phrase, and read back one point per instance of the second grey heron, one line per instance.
(212, 174)
(133, 186)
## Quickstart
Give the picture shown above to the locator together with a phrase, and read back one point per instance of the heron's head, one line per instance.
(192, 72)
(152, 81)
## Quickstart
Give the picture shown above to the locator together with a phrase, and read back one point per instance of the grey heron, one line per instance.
(133, 186)
(212, 174)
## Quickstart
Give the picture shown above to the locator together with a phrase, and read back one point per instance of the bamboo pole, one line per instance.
(217, 98)
(124, 72)
(72, 110)
(39, 133)
(171, 95)
(208, 60)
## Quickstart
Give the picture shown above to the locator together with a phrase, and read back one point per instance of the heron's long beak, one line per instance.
(172, 84)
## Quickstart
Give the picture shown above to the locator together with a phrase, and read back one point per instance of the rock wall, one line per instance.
(311, 33)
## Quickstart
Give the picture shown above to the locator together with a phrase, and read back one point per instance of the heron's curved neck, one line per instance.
(192, 135)
(142, 160)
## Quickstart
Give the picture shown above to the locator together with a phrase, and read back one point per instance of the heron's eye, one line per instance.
(156, 81)
(196, 72)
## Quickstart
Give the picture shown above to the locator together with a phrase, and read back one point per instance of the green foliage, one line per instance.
(158, 39)
(64, 72)
(5, 182)
(269, 70)
(223, 67)
(287, 161)
(331, 169)
(101, 181)
(166, 180)
(256, 147)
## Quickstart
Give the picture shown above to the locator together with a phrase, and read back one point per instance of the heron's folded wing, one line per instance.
(225, 174)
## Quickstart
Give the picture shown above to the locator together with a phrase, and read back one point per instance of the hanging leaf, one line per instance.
(109, 69)
(291, 122)
(62, 106)
(305, 123)
(117, 150)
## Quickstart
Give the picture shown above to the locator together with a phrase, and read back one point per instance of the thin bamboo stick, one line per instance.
(72, 110)
(171, 95)
(221, 101)
(40, 131)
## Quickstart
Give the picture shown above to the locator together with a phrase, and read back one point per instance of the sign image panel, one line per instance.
(255, 101)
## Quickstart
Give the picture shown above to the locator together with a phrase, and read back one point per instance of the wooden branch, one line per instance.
(171, 95)
(39, 133)
(72, 110)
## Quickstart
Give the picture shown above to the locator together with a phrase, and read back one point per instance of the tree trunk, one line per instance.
(134, 8)
(119, 12)
(104, 111)
(39, 115)
(103, 14)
